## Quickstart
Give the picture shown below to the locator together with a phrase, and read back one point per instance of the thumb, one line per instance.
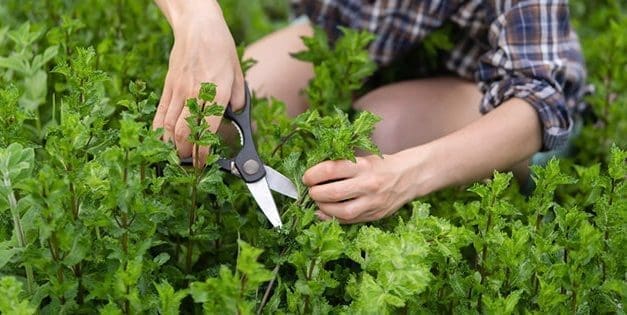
(238, 96)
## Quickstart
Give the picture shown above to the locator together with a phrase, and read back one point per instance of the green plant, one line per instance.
(88, 223)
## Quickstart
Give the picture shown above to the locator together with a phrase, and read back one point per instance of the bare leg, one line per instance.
(276, 73)
(419, 111)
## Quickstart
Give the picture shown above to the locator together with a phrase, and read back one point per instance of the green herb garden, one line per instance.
(87, 226)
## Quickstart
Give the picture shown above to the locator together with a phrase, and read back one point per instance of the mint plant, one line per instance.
(89, 224)
(12, 303)
(346, 59)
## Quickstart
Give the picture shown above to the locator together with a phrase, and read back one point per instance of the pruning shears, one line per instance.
(247, 165)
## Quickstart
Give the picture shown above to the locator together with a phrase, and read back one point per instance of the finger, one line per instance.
(346, 212)
(214, 123)
(162, 108)
(329, 170)
(202, 156)
(336, 191)
(323, 216)
(181, 135)
(171, 117)
(223, 94)
(367, 216)
(238, 95)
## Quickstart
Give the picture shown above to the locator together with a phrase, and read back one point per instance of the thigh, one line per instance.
(276, 73)
(416, 112)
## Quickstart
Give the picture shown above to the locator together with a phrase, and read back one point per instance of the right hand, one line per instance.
(203, 51)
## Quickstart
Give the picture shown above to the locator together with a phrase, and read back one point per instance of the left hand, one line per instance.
(368, 190)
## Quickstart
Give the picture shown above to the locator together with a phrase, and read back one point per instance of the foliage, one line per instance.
(346, 59)
(603, 48)
(96, 214)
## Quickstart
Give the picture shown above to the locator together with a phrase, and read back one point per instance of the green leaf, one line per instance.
(80, 249)
(323, 240)
(15, 63)
(169, 299)
(110, 309)
(207, 92)
(347, 59)
(247, 264)
(10, 300)
(219, 295)
(130, 131)
(618, 163)
(41, 60)
(6, 254)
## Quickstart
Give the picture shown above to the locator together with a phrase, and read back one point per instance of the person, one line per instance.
(518, 80)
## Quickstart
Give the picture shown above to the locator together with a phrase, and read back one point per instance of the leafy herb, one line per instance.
(87, 223)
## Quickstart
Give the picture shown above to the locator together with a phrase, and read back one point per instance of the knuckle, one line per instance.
(157, 122)
(349, 213)
(223, 94)
(364, 162)
(371, 185)
(378, 215)
(327, 169)
(169, 125)
(313, 193)
(335, 195)
(162, 108)
(180, 136)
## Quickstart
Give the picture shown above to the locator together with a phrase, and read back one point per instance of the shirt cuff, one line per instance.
(548, 102)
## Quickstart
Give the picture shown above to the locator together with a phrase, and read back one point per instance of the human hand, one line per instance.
(368, 190)
(203, 51)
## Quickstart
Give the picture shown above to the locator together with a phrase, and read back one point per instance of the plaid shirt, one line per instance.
(512, 48)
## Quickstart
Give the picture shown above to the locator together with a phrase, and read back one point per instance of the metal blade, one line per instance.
(281, 184)
(263, 197)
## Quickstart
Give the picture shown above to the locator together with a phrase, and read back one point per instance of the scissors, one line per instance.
(247, 165)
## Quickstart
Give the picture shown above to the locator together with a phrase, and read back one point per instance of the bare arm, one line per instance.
(374, 188)
(509, 134)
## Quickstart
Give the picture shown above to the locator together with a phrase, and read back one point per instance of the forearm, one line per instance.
(497, 141)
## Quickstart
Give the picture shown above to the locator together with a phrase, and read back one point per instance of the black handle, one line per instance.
(247, 161)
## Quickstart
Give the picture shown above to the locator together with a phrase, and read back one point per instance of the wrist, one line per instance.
(182, 15)
(421, 173)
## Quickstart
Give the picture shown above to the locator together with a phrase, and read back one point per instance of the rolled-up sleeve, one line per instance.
(531, 57)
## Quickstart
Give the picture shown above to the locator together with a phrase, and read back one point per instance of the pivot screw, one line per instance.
(251, 167)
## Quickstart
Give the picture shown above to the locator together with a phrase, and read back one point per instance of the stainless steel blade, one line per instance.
(281, 184)
(263, 197)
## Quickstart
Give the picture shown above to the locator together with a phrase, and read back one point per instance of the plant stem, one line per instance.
(19, 232)
(562, 290)
(266, 294)
(309, 274)
(78, 273)
(54, 252)
(74, 202)
(142, 174)
(284, 140)
(574, 305)
(189, 255)
(606, 233)
(125, 235)
(217, 244)
(192, 220)
(482, 264)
